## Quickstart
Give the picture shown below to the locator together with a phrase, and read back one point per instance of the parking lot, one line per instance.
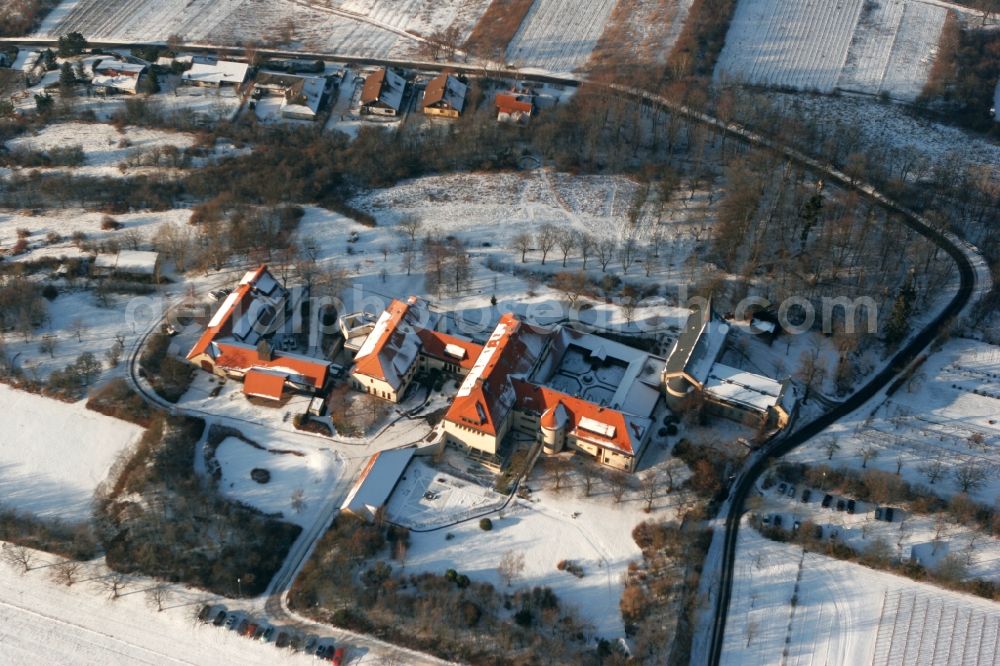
(283, 638)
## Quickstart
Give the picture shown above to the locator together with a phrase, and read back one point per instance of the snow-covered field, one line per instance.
(592, 531)
(374, 28)
(104, 147)
(313, 473)
(927, 539)
(558, 35)
(949, 412)
(846, 614)
(53, 454)
(870, 46)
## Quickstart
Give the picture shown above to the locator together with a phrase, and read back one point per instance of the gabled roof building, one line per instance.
(237, 342)
(383, 93)
(444, 96)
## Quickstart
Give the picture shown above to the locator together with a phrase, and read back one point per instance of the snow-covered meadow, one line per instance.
(948, 413)
(792, 607)
(870, 46)
(593, 532)
(301, 480)
(53, 455)
(558, 35)
(374, 28)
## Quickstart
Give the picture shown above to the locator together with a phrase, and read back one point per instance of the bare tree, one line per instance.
(18, 556)
(627, 253)
(934, 470)
(566, 240)
(867, 452)
(587, 473)
(157, 596)
(811, 372)
(605, 250)
(619, 484)
(559, 472)
(66, 572)
(830, 446)
(970, 476)
(900, 461)
(586, 242)
(670, 471)
(79, 327)
(511, 566)
(114, 354)
(48, 344)
(648, 485)
(113, 584)
(410, 225)
(548, 237)
(522, 242)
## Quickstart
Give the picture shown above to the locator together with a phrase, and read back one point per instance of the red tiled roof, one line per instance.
(433, 343)
(238, 300)
(373, 87)
(541, 399)
(375, 361)
(486, 397)
(510, 103)
(238, 356)
(263, 384)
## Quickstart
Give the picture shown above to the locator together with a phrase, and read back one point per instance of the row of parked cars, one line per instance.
(842, 504)
(281, 637)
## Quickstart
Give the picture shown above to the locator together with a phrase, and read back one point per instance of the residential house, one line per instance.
(382, 94)
(302, 96)
(114, 75)
(514, 107)
(217, 74)
(444, 96)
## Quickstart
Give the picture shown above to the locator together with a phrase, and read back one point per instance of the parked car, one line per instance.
(322, 650)
(827, 501)
(241, 628)
(338, 657)
(806, 494)
(766, 520)
(220, 617)
(888, 514)
(265, 637)
(231, 620)
(777, 520)
(251, 630)
(841, 505)
(310, 646)
(296, 642)
(259, 632)
(818, 531)
(282, 641)
(205, 614)
(791, 491)
(782, 487)
(851, 506)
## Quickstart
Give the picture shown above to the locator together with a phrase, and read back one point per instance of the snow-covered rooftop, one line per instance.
(742, 387)
(223, 71)
(377, 480)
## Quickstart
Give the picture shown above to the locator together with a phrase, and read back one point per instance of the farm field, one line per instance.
(949, 413)
(376, 28)
(844, 613)
(885, 46)
(558, 35)
(55, 454)
(639, 33)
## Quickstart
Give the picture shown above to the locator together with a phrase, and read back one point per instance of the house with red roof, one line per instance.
(240, 340)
